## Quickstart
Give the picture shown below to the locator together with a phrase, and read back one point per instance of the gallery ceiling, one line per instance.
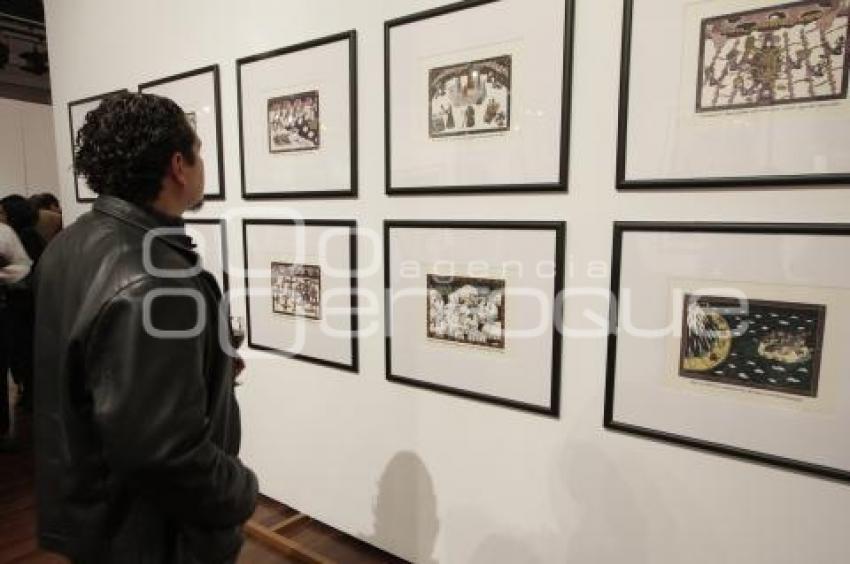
(25, 9)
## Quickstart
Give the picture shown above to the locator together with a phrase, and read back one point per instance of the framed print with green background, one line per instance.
(734, 93)
(301, 289)
(469, 106)
(198, 93)
(730, 338)
(473, 309)
(77, 112)
(298, 120)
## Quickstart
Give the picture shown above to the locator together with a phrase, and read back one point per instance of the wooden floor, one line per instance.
(17, 522)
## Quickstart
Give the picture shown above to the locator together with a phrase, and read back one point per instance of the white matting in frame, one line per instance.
(301, 289)
(198, 93)
(730, 338)
(469, 106)
(473, 309)
(298, 120)
(734, 93)
(77, 112)
(209, 236)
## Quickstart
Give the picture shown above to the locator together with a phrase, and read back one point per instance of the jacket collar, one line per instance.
(147, 220)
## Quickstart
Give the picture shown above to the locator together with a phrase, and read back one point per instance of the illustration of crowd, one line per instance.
(296, 290)
(469, 314)
(294, 122)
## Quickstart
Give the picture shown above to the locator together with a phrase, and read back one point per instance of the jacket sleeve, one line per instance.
(150, 400)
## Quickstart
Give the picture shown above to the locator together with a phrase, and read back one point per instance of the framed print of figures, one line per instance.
(474, 309)
(301, 289)
(468, 108)
(734, 93)
(198, 93)
(210, 238)
(77, 112)
(729, 338)
(298, 120)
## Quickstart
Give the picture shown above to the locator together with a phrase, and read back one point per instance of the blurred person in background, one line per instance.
(49, 215)
(20, 302)
(15, 266)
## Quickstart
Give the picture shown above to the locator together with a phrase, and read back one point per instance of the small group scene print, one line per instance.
(297, 290)
(293, 122)
(466, 311)
(470, 98)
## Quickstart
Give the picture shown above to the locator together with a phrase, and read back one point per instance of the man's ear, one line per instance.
(176, 168)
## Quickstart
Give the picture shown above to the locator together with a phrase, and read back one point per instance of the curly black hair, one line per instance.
(125, 145)
(19, 213)
(44, 201)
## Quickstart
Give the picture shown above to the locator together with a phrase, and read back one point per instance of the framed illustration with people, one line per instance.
(734, 94)
(301, 289)
(298, 120)
(468, 107)
(474, 309)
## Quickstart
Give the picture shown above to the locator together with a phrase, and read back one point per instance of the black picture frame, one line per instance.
(214, 70)
(560, 186)
(692, 184)
(559, 229)
(609, 421)
(222, 224)
(352, 192)
(354, 366)
(71, 105)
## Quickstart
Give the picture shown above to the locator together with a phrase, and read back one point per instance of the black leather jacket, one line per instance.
(136, 433)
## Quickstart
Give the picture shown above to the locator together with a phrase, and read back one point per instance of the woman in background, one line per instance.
(20, 301)
(14, 267)
(49, 215)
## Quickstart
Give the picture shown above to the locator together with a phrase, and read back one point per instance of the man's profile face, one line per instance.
(195, 178)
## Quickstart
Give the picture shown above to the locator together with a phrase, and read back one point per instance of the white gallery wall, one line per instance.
(435, 478)
(27, 149)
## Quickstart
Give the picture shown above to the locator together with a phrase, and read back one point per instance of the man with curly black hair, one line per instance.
(136, 425)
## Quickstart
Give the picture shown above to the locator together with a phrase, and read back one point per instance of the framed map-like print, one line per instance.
(298, 120)
(468, 106)
(473, 309)
(729, 338)
(77, 112)
(734, 93)
(199, 94)
(301, 289)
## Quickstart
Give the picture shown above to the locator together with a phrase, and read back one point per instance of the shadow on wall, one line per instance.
(597, 519)
(406, 510)
(611, 526)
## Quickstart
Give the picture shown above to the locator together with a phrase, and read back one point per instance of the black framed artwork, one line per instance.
(467, 110)
(210, 239)
(722, 94)
(301, 289)
(198, 92)
(77, 112)
(298, 120)
(728, 338)
(474, 309)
